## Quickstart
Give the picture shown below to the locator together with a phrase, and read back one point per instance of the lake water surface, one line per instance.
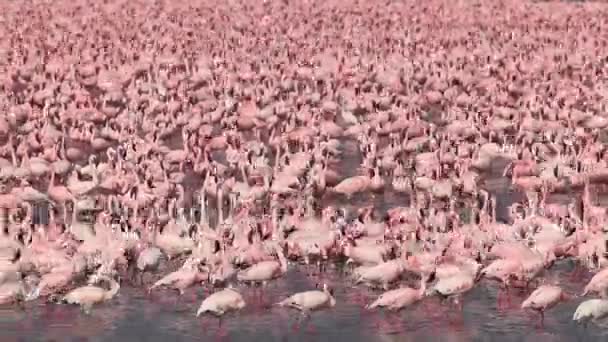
(487, 315)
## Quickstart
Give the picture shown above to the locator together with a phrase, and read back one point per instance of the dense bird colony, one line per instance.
(242, 139)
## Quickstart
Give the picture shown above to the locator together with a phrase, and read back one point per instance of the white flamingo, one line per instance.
(221, 302)
(310, 300)
(591, 310)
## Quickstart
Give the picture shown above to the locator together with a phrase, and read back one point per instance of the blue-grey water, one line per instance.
(133, 316)
(488, 313)
(136, 316)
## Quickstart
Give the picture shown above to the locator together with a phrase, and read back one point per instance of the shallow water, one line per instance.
(487, 316)
(135, 316)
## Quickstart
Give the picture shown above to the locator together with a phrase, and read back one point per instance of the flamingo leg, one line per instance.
(65, 210)
(457, 303)
(425, 309)
(86, 308)
(394, 316)
(177, 298)
(296, 324)
(575, 272)
(135, 210)
(508, 296)
(305, 315)
(21, 305)
(541, 320)
(222, 332)
(258, 293)
(460, 305)
(264, 286)
(500, 298)
(302, 317)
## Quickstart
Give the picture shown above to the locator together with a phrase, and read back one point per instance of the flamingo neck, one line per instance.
(282, 260)
(114, 287)
(52, 181)
(422, 289)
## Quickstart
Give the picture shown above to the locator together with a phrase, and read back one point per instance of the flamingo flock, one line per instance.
(243, 140)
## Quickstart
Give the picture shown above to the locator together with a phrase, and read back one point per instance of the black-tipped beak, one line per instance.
(432, 277)
(479, 275)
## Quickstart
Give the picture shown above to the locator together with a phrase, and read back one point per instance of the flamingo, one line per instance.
(454, 286)
(591, 309)
(400, 298)
(148, 260)
(89, 295)
(222, 302)
(264, 270)
(310, 300)
(544, 298)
